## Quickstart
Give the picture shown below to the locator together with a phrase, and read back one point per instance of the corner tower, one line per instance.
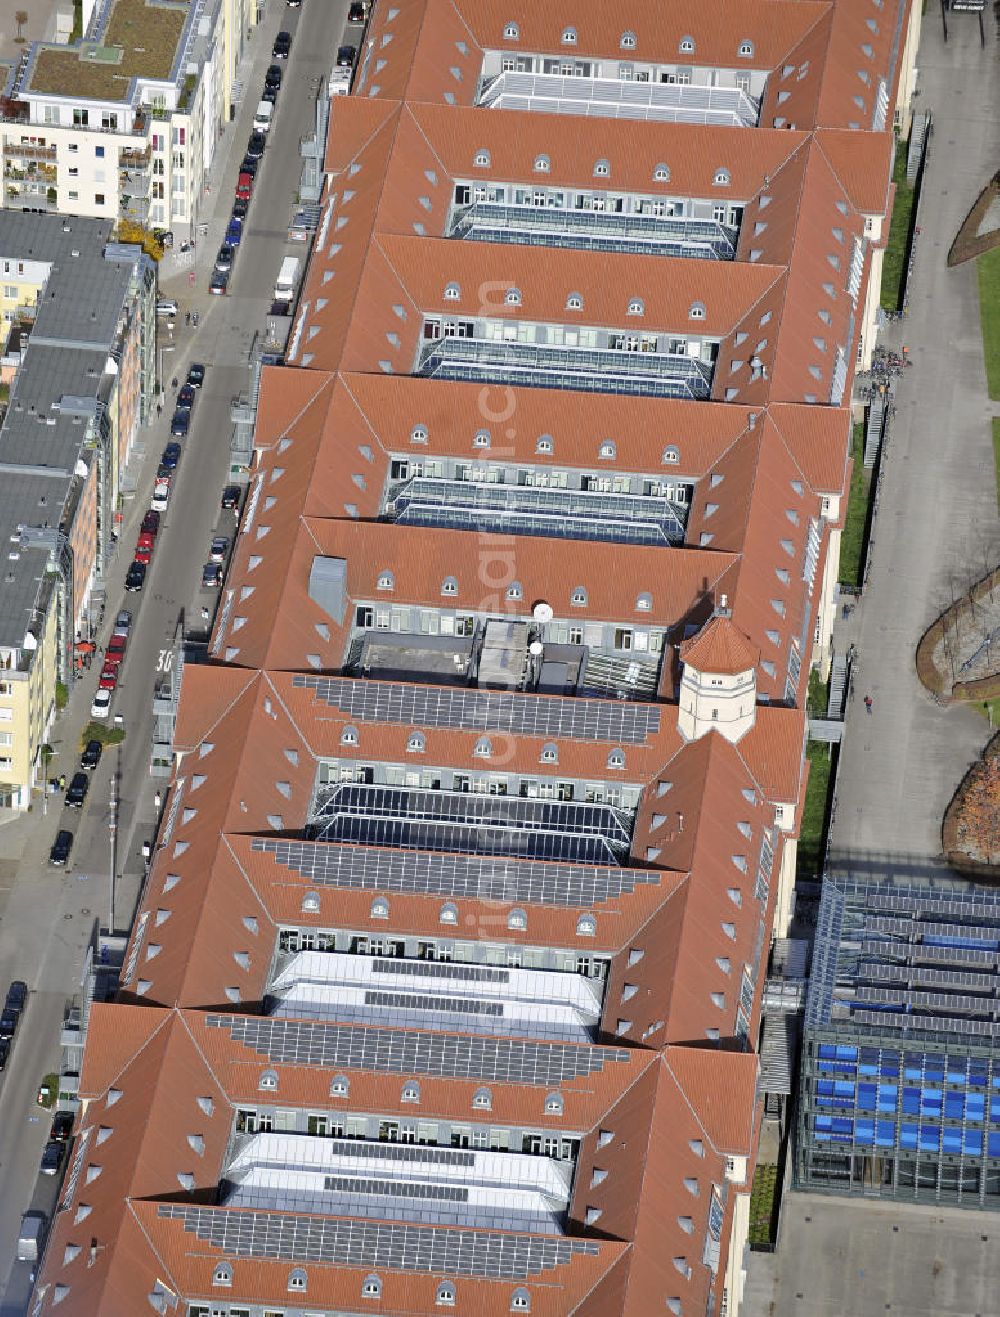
(719, 681)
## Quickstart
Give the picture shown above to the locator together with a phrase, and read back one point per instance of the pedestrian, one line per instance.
(868, 704)
(62, 781)
(204, 614)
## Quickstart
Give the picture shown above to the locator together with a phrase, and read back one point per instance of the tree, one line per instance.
(20, 18)
(978, 821)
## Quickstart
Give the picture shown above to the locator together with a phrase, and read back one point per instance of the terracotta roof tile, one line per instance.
(720, 647)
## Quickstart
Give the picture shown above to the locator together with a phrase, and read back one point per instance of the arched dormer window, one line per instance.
(512, 297)
(371, 1288)
(416, 743)
(616, 759)
(515, 591)
(608, 450)
(542, 164)
(554, 1104)
(349, 736)
(310, 903)
(661, 174)
(482, 160)
(697, 311)
(586, 926)
(298, 1280)
(268, 1081)
(550, 753)
(418, 435)
(569, 36)
(544, 444)
(386, 580)
(449, 913)
(574, 302)
(223, 1274)
(445, 1294)
(671, 455)
(746, 50)
(722, 177)
(686, 46)
(511, 32)
(483, 748)
(449, 585)
(481, 439)
(482, 1099)
(628, 41)
(452, 292)
(636, 307)
(579, 597)
(520, 1300)
(517, 920)
(380, 908)
(339, 1086)
(411, 1091)
(644, 602)
(602, 169)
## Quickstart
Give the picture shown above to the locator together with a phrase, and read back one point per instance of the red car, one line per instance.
(144, 547)
(115, 652)
(150, 523)
(109, 677)
(244, 186)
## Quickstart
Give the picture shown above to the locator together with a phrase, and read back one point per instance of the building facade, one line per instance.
(445, 988)
(79, 332)
(123, 124)
(900, 1088)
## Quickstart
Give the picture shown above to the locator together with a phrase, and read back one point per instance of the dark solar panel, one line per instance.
(612, 721)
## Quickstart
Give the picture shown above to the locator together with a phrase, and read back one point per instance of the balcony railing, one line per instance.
(29, 151)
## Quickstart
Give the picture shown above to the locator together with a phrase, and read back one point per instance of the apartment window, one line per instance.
(445, 1293)
(482, 160)
(636, 307)
(452, 292)
(73, 196)
(372, 1288)
(661, 174)
(109, 119)
(74, 171)
(98, 198)
(511, 32)
(746, 49)
(722, 178)
(81, 117)
(569, 36)
(687, 46)
(99, 152)
(574, 302)
(542, 164)
(697, 311)
(628, 41)
(602, 169)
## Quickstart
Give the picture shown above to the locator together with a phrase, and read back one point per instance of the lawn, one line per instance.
(762, 1201)
(812, 834)
(852, 539)
(988, 271)
(897, 250)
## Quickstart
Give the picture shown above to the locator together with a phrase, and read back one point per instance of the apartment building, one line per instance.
(124, 123)
(445, 989)
(78, 323)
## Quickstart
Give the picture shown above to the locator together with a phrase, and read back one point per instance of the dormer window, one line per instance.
(686, 46)
(569, 36)
(543, 444)
(644, 603)
(512, 297)
(349, 736)
(445, 1293)
(636, 307)
(608, 450)
(628, 41)
(484, 748)
(554, 1104)
(550, 753)
(517, 920)
(602, 169)
(542, 164)
(515, 591)
(416, 743)
(579, 597)
(223, 1274)
(418, 435)
(511, 32)
(697, 311)
(310, 903)
(371, 1288)
(452, 292)
(449, 586)
(411, 1091)
(661, 174)
(616, 759)
(520, 1300)
(722, 178)
(481, 439)
(482, 160)
(386, 580)
(448, 914)
(574, 302)
(339, 1086)
(298, 1280)
(671, 455)
(268, 1081)
(586, 926)
(380, 908)
(482, 1099)
(746, 50)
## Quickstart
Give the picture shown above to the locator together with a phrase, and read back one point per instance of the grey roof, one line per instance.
(62, 381)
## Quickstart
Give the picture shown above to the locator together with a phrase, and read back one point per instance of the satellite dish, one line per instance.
(543, 612)
(535, 647)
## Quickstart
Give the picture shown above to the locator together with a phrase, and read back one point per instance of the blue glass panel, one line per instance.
(975, 1106)
(993, 1145)
(930, 1138)
(956, 1072)
(866, 1100)
(827, 1051)
(824, 1122)
(864, 1131)
(914, 1072)
(973, 1142)
(908, 1136)
(994, 1108)
(911, 1100)
(824, 1086)
(847, 1053)
(840, 1123)
(934, 1071)
(885, 1133)
(951, 1140)
(867, 1069)
(954, 1105)
(888, 1091)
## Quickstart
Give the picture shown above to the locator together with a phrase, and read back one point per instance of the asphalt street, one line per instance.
(48, 916)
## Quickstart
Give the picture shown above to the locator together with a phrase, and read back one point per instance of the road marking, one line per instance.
(166, 660)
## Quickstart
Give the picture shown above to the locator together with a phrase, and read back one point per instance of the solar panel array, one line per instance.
(402, 1152)
(395, 1188)
(472, 877)
(372, 1245)
(612, 721)
(427, 969)
(416, 1051)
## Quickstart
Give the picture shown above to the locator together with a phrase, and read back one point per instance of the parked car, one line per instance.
(91, 756)
(219, 283)
(123, 622)
(8, 1024)
(244, 185)
(255, 146)
(196, 374)
(248, 165)
(135, 579)
(101, 706)
(240, 209)
(17, 996)
(170, 456)
(270, 93)
(219, 549)
(185, 395)
(282, 46)
(52, 1155)
(161, 496)
(61, 847)
(356, 12)
(144, 553)
(164, 473)
(150, 526)
(115, 652)
(62, 1126)
(109, 677)
(166, 306)
(211, 576)
(234, 232)
(231, 498)
(4, 1052)
(76, 793)
(180, 423)
(294, 4)
(224, 260)
(273, 76)
(346, 55)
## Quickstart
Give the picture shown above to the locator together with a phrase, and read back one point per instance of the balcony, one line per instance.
(131, 158)
(133, 207)
(658, 375)
(644, 235)
(30, 151)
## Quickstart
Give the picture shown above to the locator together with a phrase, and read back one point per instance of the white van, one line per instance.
(262, 117)
(284, 286)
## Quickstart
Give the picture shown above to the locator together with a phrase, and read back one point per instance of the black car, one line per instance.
(180, 423)
(77, 792)
(282, 45)
(346, 56)
(273, 76)
(171, 456)
(4, 1052)
(62, 1127)
(164, 473)
(230, 498)
(17, 996)
(8, 1023)
(255, 146)
(270, 93)
(61, 847)
(224, 260)
(196, 375)
(248, 165)
(91, 756)
(135, 577)
(52, 1155)
(240, 209)
(356, 12)
(218, 283)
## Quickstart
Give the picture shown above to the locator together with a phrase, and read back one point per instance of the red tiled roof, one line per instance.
(720, 647)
